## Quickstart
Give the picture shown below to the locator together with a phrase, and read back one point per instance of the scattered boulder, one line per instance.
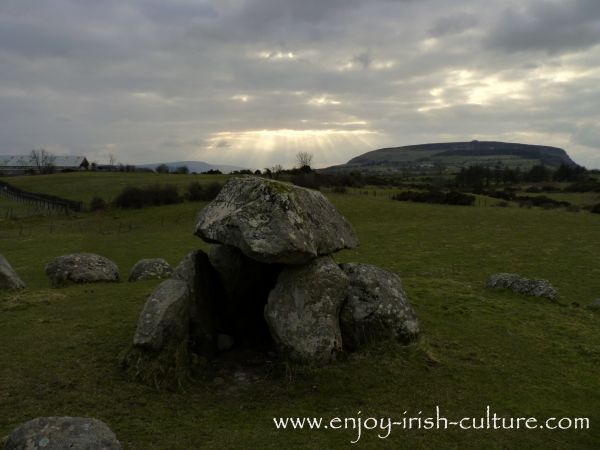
(81, 268)
(595, 304)
(165, 317)
(150, 269)
(303, 310)
(522, 285)
(206, 291)
(59, 433)
(376, 307)
(8, 277)
(274, 222)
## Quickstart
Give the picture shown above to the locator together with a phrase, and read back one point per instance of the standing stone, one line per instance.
(274, 222)
(81, 268)
(247, 284)
(8, 277)
(60, 433)
(206, 292)
(165, 317)
(522, 285)
(376, 307)
(303, 310)
(150, 269)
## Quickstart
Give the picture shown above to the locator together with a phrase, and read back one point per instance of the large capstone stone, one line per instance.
(8, 277)
(303, 310)
(246, 285)
(59, 433)
(376, 308)
(150, 269)
(522, 285)
(206, 292)
(81, 268)
(165, 317)
(274, 222)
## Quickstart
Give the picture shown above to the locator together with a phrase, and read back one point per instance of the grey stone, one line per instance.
(274, 222)
(303, 310)
(595, 304)
(59, 433)
(246, 284)
(376, 307)
(150, 269)
(165, 317)
(522, 285)
(81, 268)
(8, 277)
(224, 342)
(206, 292)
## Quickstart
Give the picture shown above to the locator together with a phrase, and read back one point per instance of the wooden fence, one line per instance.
(44, 201)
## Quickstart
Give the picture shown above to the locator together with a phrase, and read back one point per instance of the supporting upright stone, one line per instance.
(303, 310)
(8, 277)
(376, 308)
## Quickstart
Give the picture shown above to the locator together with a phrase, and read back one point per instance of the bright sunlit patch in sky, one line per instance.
(264, 148)
(324, 100)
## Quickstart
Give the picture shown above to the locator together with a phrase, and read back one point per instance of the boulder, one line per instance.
(59, 433)
(595, 304)
(206, 292)
(150, 269)
(522, 285)
(246, 284)
(274, 222)
(376, 307)
(165, 317)
(8, 277)
(303, 310)
(81, 268)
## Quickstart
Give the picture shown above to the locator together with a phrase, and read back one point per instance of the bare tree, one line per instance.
(42, 160)
(112, 159)
(304, 159)
(276, 170)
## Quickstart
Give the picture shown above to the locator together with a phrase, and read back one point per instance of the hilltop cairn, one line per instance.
(269, 277)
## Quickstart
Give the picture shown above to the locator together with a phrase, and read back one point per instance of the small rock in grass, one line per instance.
(522, 285)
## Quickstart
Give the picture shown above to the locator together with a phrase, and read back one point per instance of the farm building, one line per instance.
(19, 164)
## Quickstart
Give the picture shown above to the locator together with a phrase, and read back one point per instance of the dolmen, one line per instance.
(269, 276)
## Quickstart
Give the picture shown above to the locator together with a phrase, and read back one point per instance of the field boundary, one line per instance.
(45, 201)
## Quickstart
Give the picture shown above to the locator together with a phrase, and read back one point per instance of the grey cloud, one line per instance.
(548, 26)
(154, 80)
(453, 24)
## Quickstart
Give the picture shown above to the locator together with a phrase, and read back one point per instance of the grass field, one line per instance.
(525, 357)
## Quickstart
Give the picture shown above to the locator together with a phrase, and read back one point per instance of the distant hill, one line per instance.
(452, 156)
(193, 166)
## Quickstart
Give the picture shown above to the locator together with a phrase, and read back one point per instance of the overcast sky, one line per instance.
(252, 82)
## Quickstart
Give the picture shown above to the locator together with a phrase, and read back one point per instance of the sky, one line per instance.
(253, 82)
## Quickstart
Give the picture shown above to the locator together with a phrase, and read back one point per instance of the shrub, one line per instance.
(340, 190)
(435, 196)
(198, 192)
(130, 197)
(595, 209)
(154, 195)
(97, 204)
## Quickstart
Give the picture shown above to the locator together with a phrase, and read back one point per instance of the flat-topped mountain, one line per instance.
(455, 155)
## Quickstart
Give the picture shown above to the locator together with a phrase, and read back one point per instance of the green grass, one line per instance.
(59, 348)
(83, 186)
